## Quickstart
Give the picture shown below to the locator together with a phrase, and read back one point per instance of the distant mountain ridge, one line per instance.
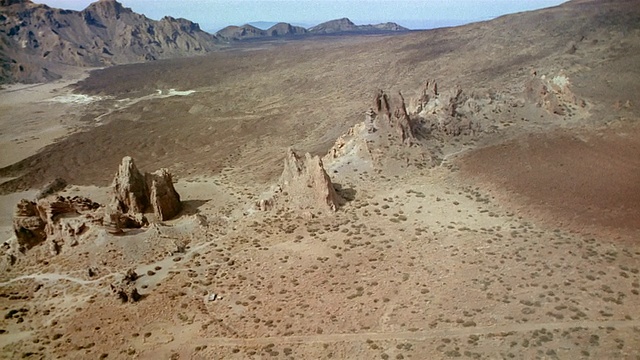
(38, 42)
(35, 38)
(337, 26)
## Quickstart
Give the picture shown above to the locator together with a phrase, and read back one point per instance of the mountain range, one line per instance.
(338, 26)
(37, 39)
(37, 42)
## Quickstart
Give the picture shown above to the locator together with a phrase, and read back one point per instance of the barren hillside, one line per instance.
(464, 192)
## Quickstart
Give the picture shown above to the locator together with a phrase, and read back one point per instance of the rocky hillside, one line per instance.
(37, 39)
(338, 26)
(345, 25)
(234, 33)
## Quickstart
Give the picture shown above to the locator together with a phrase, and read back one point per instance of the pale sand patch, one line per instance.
(33, 116)
(14, 94)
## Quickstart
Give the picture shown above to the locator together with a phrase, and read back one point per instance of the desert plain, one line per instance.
(501, 222)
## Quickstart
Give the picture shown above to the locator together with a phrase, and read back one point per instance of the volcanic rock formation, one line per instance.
(337, 26)
(304, 185)
(28, 225)
(393, 113)
(165, 200)
(387, 138)
(133, 193)
(130, 192)
(59, 220)
(345, 25)
(448, 113)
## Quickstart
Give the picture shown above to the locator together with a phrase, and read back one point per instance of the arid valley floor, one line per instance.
(506, 226)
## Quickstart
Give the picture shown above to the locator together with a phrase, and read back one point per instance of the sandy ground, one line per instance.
(520, 243)
(33, 116)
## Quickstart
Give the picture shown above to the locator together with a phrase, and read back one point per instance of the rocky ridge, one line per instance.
(38, 39)
(338, 26)
(231, 33)
(345, 25)
(59, 220)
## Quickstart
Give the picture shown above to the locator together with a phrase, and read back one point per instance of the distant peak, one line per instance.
(341, 20)
(109, 5)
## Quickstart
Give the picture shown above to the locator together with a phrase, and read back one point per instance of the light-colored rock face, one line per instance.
(130, 191)
(553, 95)
(165, 200)
(304, 185)
(392, 112)
(307, 183)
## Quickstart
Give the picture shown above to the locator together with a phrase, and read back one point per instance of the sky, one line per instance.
(213, 15)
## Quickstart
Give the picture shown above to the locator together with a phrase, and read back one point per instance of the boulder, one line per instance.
(165, 200)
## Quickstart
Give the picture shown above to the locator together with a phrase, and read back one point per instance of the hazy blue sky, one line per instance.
(415, 14)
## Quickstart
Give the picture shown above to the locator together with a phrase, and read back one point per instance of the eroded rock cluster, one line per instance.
(389, 137)
(447, 113)
(56, 220)
(133, 193)
(552, 94)
(392, 113)
(59, 220)
(303, 185)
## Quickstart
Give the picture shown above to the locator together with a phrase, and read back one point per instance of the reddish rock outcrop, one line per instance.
(304, 184)
(133, 193)
(130, 191)
(165, 200)
(58, 220)
(393, 113)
